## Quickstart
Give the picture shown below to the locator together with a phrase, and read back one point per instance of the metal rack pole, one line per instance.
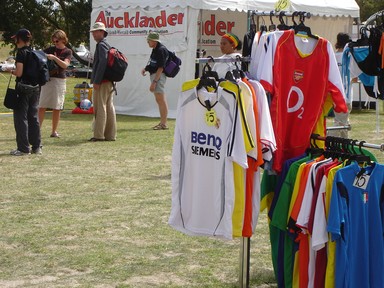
(245, 250)
(281, 13)
(222, 60)
(347, 127)
(357, 143)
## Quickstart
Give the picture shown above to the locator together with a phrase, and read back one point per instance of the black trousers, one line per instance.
(26, 119)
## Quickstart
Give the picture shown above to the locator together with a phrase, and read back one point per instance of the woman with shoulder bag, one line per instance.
(53, 92)
(155, 67)
(25, 115)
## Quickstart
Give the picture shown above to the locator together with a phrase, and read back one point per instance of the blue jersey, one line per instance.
(356, 224)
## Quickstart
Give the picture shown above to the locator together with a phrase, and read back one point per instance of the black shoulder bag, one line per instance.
(11, 99)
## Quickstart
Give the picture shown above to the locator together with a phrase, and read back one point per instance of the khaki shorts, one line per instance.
(160, 84)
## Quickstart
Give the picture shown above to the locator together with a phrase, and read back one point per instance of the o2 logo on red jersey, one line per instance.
(295, 101)
(298, 76)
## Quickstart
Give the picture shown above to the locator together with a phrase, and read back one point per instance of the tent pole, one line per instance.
(198, 66)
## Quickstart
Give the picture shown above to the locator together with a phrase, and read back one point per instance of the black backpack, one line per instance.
(172, 65)
(36, 70)
(117, 64)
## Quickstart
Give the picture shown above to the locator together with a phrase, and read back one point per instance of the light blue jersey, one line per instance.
(356, 224)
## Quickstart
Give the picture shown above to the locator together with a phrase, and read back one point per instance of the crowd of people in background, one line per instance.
(29, 117)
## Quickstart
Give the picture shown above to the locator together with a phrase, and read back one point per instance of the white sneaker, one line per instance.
(18, 153)
(37, 151)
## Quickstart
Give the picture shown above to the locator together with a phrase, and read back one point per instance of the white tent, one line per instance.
(185, 26)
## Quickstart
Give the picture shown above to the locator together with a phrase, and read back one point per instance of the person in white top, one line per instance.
(229, 44)
(342, 119)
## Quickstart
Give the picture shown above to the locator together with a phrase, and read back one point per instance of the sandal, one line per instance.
(55, 135)
(160, 127)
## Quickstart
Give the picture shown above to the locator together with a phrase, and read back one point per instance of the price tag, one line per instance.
(282, 5)
(361, 181)
(210, 117)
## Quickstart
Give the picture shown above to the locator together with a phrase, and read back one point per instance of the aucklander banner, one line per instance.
(130, 27)
(133, 25)
(215, 24)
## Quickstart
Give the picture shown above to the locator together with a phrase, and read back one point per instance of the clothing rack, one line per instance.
(222, 60)
(281, 13)
(357, 143)
(347, 127)
(374, 17)
(245, 242)
(212, 60)
(371, 22)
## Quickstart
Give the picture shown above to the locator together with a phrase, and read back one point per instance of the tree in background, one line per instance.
(42, 17)
(369, 7)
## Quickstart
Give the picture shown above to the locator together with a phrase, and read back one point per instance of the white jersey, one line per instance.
(206, 144)
(306, 204)
(267, 135)
(319, 232)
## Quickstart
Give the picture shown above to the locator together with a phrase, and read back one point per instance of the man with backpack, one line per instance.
(155, 68)
(25, 116)
(105, 117)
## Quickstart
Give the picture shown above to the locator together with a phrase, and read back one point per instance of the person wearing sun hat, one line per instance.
(155, 66)
(229, 44)
(104, 128)
(25, 116)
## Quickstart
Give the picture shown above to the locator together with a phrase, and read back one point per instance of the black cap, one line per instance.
(23, 34)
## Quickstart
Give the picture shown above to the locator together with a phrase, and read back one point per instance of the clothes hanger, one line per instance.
(238, 73)
(241, 72)
(206, 83)
(341, 148)
(272, 27)
(359, 155)
(263, 27)
(252, 26)
(207, 70)
(294, 14)
(328, 149)
(314, 150)
(302, 29)
(282, 25)
(362, 157)
(209, 77)
(333, 149)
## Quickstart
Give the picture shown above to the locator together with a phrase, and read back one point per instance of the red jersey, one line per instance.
(299, 72)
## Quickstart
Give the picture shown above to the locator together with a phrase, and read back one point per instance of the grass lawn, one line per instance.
(95, 214)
